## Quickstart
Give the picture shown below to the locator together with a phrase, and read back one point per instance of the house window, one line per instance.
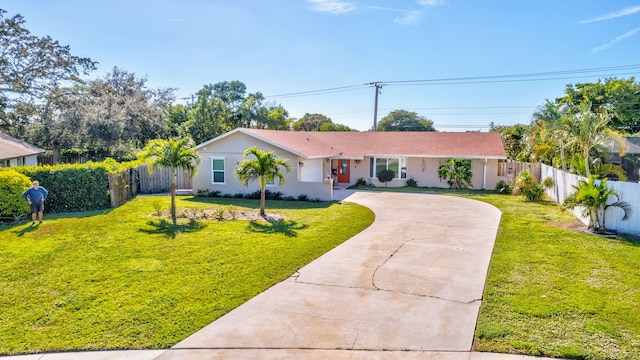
(397, 165)
(217, 171)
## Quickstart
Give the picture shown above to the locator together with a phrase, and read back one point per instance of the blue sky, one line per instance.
(290, 46)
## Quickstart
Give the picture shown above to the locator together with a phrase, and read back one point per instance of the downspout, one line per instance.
(484, 175)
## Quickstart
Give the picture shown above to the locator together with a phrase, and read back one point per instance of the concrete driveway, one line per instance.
(407, 287)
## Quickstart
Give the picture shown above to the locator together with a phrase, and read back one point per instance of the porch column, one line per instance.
(484, 175)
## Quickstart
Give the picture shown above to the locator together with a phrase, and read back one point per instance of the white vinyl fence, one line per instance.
(627, 191)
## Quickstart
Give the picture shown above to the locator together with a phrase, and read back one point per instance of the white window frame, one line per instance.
(401, 161)
(224, 170)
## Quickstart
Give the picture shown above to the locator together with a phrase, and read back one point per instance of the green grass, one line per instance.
(557, 292)
(552, 291)
(123, 279)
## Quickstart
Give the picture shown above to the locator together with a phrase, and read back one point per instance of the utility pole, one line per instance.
(378, 86)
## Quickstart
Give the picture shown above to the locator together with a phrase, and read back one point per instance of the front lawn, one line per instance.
(558, 292)
(124, 279)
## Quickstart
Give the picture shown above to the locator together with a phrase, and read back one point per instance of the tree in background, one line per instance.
(514, 138)
(402, 120)
(548, 134)
(311, 122)
(172, 154)
(115, 111)
(278, 119)
(335, 127)
(265, 168)
(620, 97)
(589, 132)
(177, 115)
(30, 68)
(224, 106)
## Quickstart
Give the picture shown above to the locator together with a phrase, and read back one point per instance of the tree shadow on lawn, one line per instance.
(166, 227)
(287, 227)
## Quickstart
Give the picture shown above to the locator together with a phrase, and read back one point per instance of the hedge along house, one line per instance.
(319, 158)
(14, 152)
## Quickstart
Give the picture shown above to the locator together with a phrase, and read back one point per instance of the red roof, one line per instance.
(357, 145)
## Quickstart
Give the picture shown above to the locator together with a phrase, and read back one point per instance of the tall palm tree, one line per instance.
(172, 154)
(592, 195)
(590, 132)
(265, 168)
(549, 132)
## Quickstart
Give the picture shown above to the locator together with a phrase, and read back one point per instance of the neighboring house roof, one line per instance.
(632, 147)
(357, 145)
(11, 148)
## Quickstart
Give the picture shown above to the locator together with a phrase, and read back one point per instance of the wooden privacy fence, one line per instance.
(124, 186)
(514, 168)
(160, 180)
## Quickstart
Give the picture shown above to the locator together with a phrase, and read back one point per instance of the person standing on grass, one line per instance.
(35, 196)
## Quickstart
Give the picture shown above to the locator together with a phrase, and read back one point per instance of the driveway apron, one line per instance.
(409, 285)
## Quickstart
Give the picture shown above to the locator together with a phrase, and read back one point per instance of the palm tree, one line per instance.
(265, 168)
(590, 132)
(593, 197)
(549, 131)
(172, 154)
(598, 169)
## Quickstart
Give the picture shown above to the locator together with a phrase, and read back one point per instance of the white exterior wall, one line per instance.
(425, 172)
(31, 160)
(231, 148)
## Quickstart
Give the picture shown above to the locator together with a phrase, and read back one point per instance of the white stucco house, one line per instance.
(315, 156)
(14, 152)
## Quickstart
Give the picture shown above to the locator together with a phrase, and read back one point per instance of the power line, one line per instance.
(524, 75)
(510, 78)
(317, 92)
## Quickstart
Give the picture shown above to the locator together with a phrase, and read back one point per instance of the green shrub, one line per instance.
(385, 176)
(412, 182)
(503, 187)
(527, 186)
(457, 172)
(361, 182)
(12, 185)
(74, 187)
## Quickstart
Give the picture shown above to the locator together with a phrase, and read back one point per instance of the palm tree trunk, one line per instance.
(263, 197)
(585, 153)
(173, 196)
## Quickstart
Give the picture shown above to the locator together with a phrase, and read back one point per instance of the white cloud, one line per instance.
(614, 41)
(430, 2)
(412, 17)
(331, 6)
(613, 15)
(385, 8)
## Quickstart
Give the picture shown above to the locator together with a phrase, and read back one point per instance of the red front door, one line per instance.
(343, 171)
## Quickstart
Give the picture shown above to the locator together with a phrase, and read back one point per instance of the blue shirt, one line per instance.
(35, 195)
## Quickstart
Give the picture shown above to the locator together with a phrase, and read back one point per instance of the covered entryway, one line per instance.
(343, 171)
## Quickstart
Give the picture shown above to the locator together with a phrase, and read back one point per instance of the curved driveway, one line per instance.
(407, 287)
